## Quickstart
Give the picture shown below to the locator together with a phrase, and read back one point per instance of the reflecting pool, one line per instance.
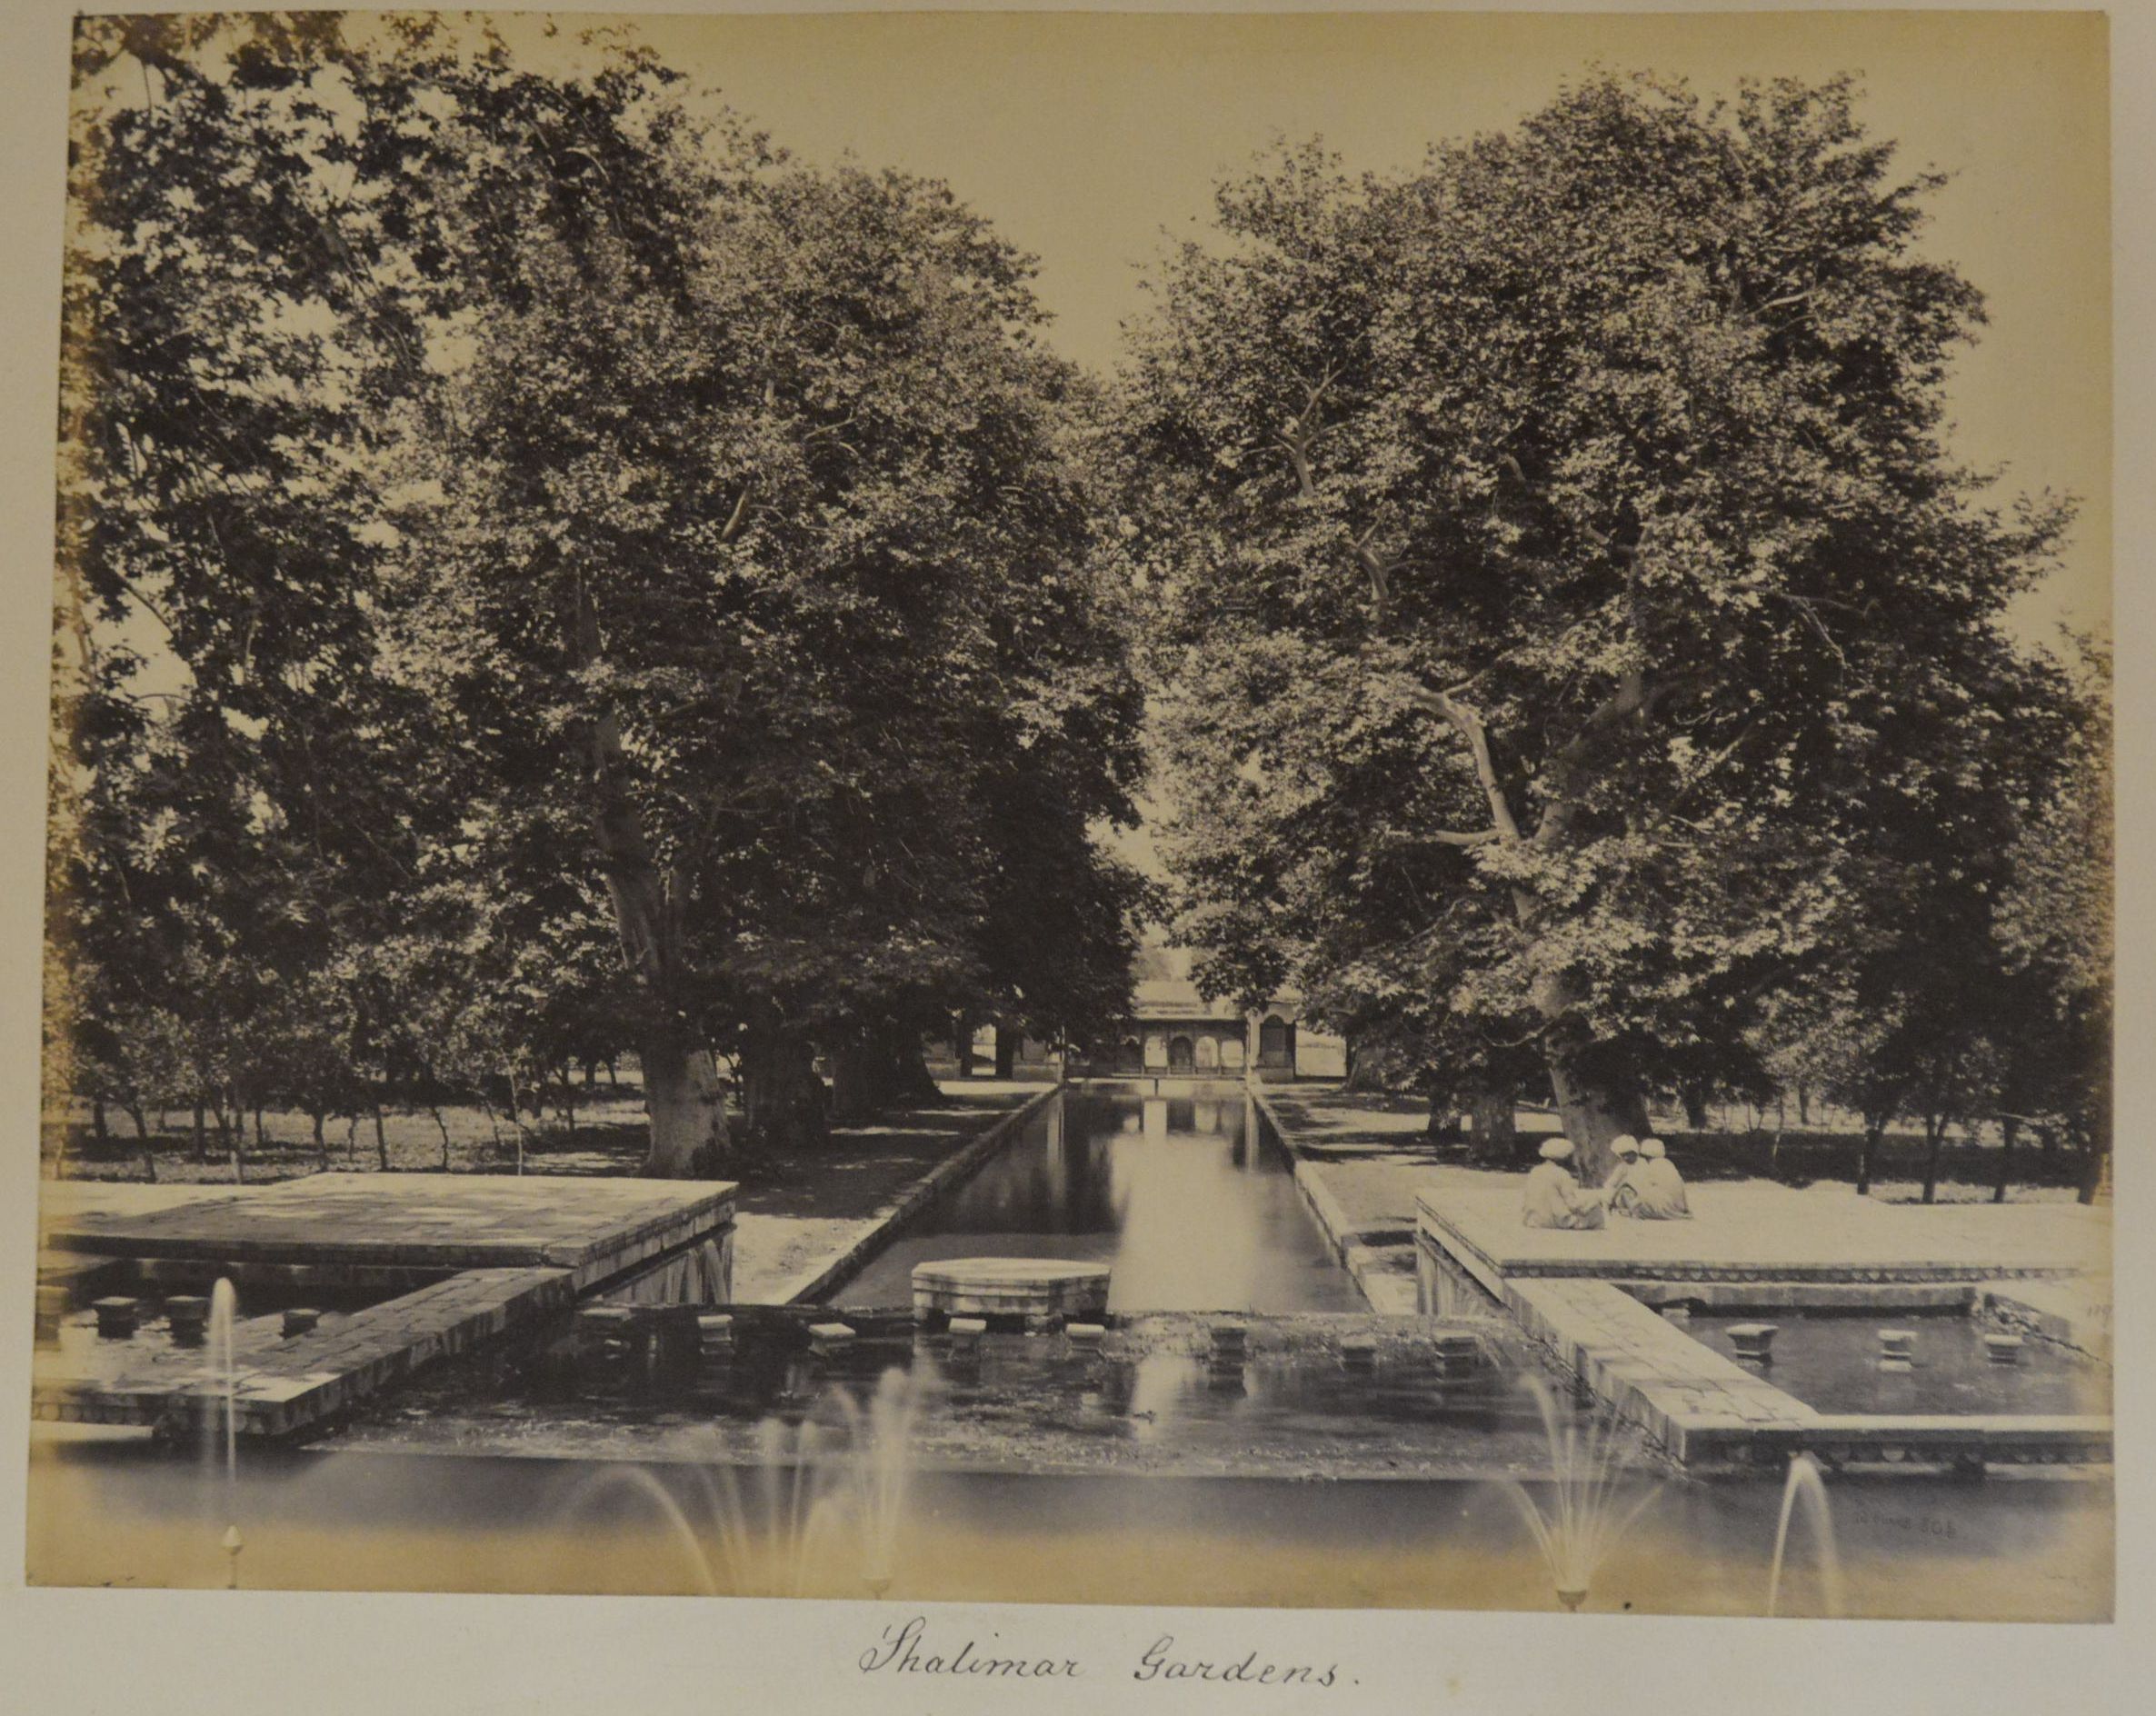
(1189, 1198)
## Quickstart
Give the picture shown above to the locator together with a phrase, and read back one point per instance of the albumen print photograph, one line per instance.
(1276, 811)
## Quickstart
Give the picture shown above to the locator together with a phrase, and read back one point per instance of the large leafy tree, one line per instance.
(232, 797)
(767, 556)
(565, 510)
(1591, 480)
(2055, 924)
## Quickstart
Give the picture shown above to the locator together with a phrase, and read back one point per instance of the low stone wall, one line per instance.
(522, 1249)
(1381, 1261)
(284, 1386)
(832, 1271)
(2068, 1313)
(1711, 1414)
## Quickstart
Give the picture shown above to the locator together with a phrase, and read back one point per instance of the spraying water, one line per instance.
(224, 1377)
(880, 1469)
(1590, 1509)
(1805, 1480)
(641, 1482)
(772, 1527)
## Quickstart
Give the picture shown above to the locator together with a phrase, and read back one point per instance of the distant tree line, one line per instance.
(1586, 668)
(545, 575)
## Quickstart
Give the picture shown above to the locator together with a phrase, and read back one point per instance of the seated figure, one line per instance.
(1617, 1194)
(1552, 1197)
(1656, 1188)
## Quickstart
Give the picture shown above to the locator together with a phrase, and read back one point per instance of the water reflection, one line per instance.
(1190, 1201)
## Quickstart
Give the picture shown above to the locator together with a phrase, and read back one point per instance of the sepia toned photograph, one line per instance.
(1259, 811)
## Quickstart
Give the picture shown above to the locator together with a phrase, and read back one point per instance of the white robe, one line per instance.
(1553, 1198)
(1658, 1192)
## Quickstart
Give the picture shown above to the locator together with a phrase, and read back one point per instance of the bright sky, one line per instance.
(1085, 137)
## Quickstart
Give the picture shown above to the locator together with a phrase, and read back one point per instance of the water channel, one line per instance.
(1188, 1197)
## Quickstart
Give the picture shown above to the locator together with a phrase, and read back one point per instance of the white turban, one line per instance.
(1556, 1149)
(1625, 1145)
(1653, 1148)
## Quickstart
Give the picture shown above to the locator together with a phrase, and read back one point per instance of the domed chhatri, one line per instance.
(1009, 1287)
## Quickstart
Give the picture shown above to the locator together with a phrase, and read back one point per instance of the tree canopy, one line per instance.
(574, 522)
(1568, 598)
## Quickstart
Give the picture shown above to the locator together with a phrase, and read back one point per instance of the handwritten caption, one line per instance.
(906, 1648)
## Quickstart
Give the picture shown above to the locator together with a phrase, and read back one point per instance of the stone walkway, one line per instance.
(522, 1248)
(284, 1385)
(414, 1221)
(1375, 1180)
(1753, 1231)
(796, 1241)
(1360, 1168)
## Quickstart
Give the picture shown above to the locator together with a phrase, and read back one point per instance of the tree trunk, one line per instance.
(1595, 1110)
(1803, 1104)
(1497, 1127)
(1874, 1126)
(2007, 1129)
(97, 1124)
(202, 1142)
(784, 1108)
(875, 1072)
(1934, 1134)
(858, 1083)
(142, 1123)
(681, 1092)
(2093, 1157)
(686, 1104)
(1006, 1051)
(381, 1141)
(569, 1104)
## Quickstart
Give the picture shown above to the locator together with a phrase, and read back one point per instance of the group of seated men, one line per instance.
(1644, 1184)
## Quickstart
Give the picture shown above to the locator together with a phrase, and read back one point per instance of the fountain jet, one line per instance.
(1805, 1480)
(808, 1486)
(223, 1377)
(1589, 1508)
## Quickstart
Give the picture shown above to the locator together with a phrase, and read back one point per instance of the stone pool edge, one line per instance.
(1382, 1267)
(1714, 1416)
(807, 1284)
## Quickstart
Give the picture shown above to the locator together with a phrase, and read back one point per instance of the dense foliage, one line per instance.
(627, 589)
(1582, 651)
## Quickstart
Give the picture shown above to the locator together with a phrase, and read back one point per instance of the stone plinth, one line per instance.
(1009, 1287)
(523, 1249)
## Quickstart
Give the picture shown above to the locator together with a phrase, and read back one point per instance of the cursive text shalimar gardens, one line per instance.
(905, 1649)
